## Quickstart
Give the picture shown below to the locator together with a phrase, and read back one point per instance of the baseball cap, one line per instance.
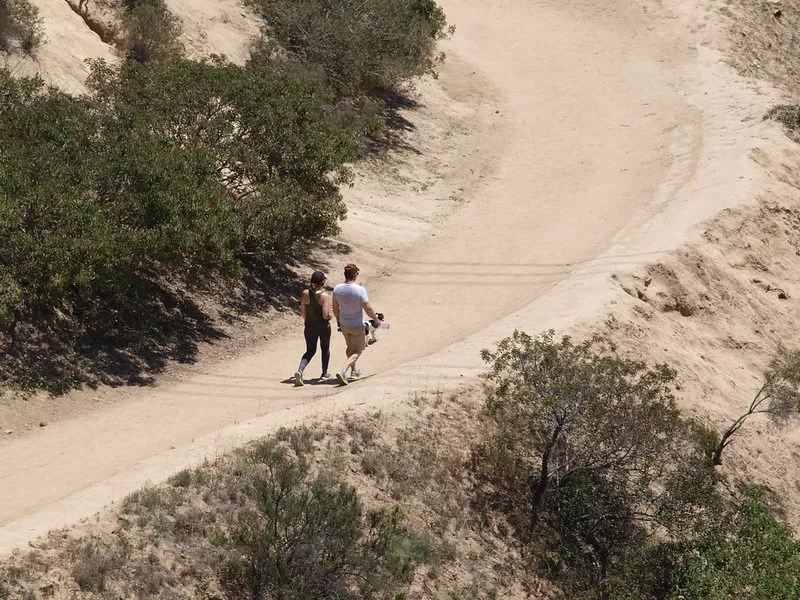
(318, 277)
(350, 271)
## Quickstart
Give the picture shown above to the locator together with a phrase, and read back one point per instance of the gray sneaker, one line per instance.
(325, 376)
(342, 377)
(298, 379)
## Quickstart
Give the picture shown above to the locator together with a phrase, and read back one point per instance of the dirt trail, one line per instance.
(601, 135)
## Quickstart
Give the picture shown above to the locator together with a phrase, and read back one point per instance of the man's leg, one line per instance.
(353, 351)
(359, 347)
(350, 363)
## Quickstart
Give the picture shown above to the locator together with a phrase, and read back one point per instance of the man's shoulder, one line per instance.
(347, 286)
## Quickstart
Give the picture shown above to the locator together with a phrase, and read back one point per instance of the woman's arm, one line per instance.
(325, 303)
(304, 300)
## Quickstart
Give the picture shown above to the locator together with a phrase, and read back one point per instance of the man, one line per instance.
(350, 302)
(315, 310)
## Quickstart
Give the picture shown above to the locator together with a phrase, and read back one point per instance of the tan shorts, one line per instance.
(355, 339)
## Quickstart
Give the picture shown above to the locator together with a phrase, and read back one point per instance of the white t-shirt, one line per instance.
(350, 297)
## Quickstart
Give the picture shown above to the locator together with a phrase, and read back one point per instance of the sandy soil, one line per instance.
(560, 146)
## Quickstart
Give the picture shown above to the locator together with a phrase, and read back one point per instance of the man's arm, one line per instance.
(336, 309)
(371, 313)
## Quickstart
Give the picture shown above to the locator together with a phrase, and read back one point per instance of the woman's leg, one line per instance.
(325, 346)
(311, 334)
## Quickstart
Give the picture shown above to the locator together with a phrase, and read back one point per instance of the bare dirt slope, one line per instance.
(572, 142)
(75, 32)
(68, 43)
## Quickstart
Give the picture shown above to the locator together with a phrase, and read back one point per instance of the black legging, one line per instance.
(321, 332)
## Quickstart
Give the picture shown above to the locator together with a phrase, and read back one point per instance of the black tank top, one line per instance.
(314, 308)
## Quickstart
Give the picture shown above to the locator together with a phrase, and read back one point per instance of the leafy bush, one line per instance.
(309, 537)
(270, 139)
(151, 31)
(127, 207)
(358, 46)
(745, 553)
(20, 22)
(170, 171)
(590, 451)
(96, 563)
(739, 551)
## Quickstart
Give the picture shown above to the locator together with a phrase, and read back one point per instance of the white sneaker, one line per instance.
(298, 379)
(341, 377)
(355, 375)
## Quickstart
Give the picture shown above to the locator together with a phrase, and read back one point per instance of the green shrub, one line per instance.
(150, 31)
(181, 479)
(590, 452)
(94, 565)
(126, 208)
(20, 23)
(309, 537)
(274, 146)
(787, 115)
(358, 46)
(745, 553)
(737, 551)
(171, 174)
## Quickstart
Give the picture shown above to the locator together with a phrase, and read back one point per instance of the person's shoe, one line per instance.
(298, 378)
(354, 375)
(341, 377)
(325, 376)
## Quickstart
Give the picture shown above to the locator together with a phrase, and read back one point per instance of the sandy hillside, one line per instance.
(562, 148)
(718, 308)
(75, 33)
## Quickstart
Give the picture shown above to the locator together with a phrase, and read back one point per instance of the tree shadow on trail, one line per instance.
(123, 341)
(128, 339)
(262, 288)
(393, 137)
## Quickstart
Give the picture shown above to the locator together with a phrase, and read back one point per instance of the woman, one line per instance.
(315, 309)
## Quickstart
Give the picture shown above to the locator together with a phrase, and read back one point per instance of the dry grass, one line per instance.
(171, 540)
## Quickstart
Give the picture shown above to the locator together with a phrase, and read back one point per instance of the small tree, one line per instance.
(778, 397)
(599, 442)
(570, 408)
